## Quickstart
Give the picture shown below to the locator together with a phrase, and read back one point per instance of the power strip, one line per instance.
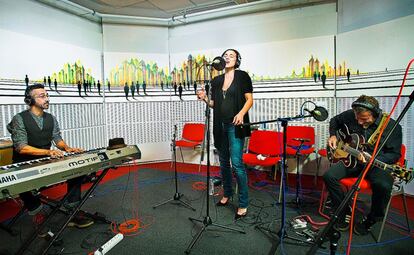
(109, 244)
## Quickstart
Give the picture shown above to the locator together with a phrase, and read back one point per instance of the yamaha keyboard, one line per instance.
(35, 174)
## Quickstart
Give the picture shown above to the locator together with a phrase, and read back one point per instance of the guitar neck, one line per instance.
(355, 153)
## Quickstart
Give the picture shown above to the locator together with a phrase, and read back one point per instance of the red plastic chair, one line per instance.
(300, 142)
(192, 136)
(295, 136)
(366, 188)
(266, 143)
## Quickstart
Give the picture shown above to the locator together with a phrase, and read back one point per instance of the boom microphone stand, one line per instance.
(329, 233)
(177, 196)
(207, 220)
(320, 114)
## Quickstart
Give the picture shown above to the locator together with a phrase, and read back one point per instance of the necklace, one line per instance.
(224, 93)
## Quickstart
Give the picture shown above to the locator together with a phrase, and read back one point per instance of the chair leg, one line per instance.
(298, 182)
(378, 238)
(406, 211)
(182, 157)
(322, 202)
(281, 184)
(318, 165)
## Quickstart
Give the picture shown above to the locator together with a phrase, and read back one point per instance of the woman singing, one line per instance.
(231, 99)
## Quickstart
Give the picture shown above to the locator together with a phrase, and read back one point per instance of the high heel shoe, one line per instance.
(219, 203)
(239, 216)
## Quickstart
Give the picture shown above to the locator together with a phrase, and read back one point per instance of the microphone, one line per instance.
(218, 63)
(319, 113)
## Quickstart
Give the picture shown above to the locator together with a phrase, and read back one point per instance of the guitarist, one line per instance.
(364, 119)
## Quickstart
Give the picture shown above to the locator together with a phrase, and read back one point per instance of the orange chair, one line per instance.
(366, 188)
(192, 136)
(266, 143)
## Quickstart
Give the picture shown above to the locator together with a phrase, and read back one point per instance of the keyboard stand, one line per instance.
(71, 214)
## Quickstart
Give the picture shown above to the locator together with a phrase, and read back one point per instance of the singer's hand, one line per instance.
(332, 142)
(238, 119)
(201, 94)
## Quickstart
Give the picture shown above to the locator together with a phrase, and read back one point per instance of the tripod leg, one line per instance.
(187, 205)
(195, 239)
(163, 203)
(228, 228)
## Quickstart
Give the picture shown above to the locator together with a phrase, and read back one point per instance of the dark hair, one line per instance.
(364, 103)
(28, 99)
(238, 57)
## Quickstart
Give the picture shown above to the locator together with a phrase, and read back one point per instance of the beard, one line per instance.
(43, 106)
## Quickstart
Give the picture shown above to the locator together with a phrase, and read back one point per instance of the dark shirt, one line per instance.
(242, 84)
(392, 149)
(19, 133)
(227, 109)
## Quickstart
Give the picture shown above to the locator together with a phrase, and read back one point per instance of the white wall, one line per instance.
(356, 14)
(374, 48)
(123, 42)
(271, 43)
(254, 28)
(38, 40)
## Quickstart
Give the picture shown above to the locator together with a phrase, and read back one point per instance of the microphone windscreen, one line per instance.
(320, 113)
(219, 63)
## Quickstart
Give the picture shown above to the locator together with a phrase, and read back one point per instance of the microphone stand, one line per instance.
(177, 196)
(329, 233)
(207, 221)
(281, 234)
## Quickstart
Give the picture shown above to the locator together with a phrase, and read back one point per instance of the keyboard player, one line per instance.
(33, 132)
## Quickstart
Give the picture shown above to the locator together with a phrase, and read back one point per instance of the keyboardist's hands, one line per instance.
(56, 153)
(75, 150)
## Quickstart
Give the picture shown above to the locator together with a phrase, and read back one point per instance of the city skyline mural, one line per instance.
(197, 69)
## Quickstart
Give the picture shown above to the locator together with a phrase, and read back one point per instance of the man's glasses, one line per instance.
(42, 96)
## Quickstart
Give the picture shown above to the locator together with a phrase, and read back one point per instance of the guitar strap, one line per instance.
(374, 137)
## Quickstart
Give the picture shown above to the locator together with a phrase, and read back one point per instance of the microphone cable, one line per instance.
(131, 227)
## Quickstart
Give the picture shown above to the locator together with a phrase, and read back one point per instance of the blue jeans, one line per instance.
(232, 149)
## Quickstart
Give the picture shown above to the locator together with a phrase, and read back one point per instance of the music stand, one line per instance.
(177, 195)
(207, 221)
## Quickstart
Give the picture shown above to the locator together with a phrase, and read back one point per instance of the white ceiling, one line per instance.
(165, 9)
(171, 12)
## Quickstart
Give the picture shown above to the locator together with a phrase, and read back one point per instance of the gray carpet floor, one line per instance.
(168, 230)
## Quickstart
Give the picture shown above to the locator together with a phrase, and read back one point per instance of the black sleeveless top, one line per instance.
(36, 137)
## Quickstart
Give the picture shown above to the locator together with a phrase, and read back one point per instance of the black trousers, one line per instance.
(380, 180)
(32, 202)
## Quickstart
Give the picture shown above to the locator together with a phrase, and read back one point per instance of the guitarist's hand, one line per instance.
(363, 156)
(332, 142)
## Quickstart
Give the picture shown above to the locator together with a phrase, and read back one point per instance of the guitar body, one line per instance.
(350, 146)
(345, 139)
